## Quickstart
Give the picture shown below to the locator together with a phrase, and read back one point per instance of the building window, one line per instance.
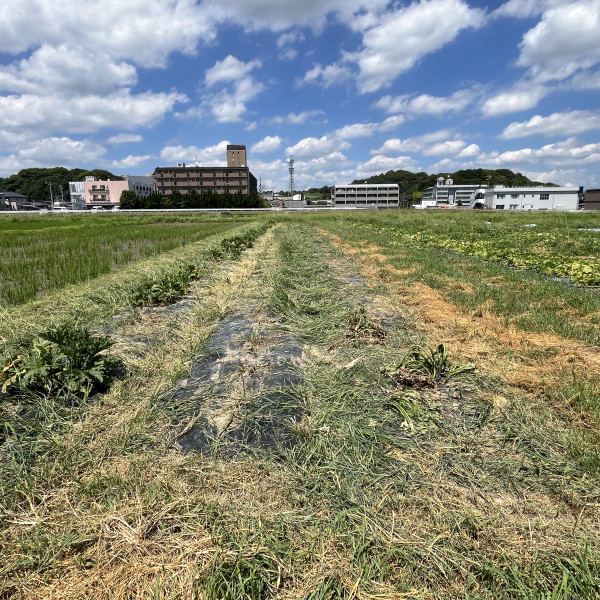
(500, 196)
(544, 196)
(514, 195)
(514, 206)
(499, 206)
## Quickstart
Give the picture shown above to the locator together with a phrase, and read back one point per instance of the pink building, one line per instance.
(104, 193)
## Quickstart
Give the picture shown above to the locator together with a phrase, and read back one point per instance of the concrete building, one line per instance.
(499, 197)
(366, 195)
(592, 200)
(12, 201)
(236, 156)
(92, 192)
(235, 177)
(446, 194)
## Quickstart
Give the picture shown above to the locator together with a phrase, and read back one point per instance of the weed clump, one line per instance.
(423, 367)
(65, 362)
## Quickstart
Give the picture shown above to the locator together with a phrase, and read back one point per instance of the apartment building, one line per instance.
(366, 195)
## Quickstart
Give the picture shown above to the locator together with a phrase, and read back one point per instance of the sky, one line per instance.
(349, 88)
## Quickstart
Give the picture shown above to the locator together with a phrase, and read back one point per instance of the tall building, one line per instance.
(236, 156)
(234, 178)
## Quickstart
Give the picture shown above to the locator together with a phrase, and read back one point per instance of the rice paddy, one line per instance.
(323, 411)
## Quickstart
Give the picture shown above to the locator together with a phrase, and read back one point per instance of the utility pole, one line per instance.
(51, 199)
(290, 162)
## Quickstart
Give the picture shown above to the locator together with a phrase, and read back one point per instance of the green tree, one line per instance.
(129, 199)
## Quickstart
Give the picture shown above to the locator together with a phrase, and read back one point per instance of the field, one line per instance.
(341, 405)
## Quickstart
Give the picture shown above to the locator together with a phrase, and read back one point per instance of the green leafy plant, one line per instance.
(64, 361)
(435, 363)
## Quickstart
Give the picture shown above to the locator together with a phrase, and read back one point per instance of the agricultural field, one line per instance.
(326, 405)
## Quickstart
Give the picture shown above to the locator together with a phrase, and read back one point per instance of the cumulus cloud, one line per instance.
(267, 144)
(297, 118)
(52, 151)
(402, 38)
(312, 147)
(379, 164)
(414, 144)
(208, 156)
(563, 42)
(569, 123)
(134, 30)
(326, 76)
(425, 104)
(228, 105)
(85, 114)
(125, 138)
(559, 154)
(129, 161)
(65, 70)
(522, 96)
(522, 9)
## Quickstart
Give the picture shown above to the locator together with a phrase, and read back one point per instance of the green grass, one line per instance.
(47, 253)
(473, 490)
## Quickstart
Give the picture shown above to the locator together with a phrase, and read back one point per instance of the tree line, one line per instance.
(193, 199)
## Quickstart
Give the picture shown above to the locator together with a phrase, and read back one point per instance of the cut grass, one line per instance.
(388, 493)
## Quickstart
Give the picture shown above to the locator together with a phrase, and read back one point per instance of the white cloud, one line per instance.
(228, 105)
(84, 114)
(413, 144)
(404, 37)
(326, 76)
(425, 104)
(564, 41)
(523, 96)
(267, 144)
(125, 138)
(207, 157)
(557, 154)
(569, 123)
(291, 37)
(522, 9)
(311, 147)
(129, 161)
(50, 152)
(380, 164)
(469, 151)
(297, 118)
(66, 70)
(144, 33)
(447, 148)
(564, 177)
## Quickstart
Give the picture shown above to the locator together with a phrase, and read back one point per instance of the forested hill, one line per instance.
(33, 183)
(417, 182)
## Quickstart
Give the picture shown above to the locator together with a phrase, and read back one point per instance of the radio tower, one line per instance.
(290, 162)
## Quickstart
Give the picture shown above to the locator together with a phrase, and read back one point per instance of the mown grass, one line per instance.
(470, 490)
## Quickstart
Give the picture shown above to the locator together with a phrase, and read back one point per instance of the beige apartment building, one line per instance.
(235, 177)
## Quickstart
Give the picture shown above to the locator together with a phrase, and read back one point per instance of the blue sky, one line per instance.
(350, 88)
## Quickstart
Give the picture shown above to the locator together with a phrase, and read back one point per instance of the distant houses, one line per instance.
(12, 201)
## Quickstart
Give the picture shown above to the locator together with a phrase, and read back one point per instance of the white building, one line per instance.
(366, 195)
(499, 197)
(446, 194)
